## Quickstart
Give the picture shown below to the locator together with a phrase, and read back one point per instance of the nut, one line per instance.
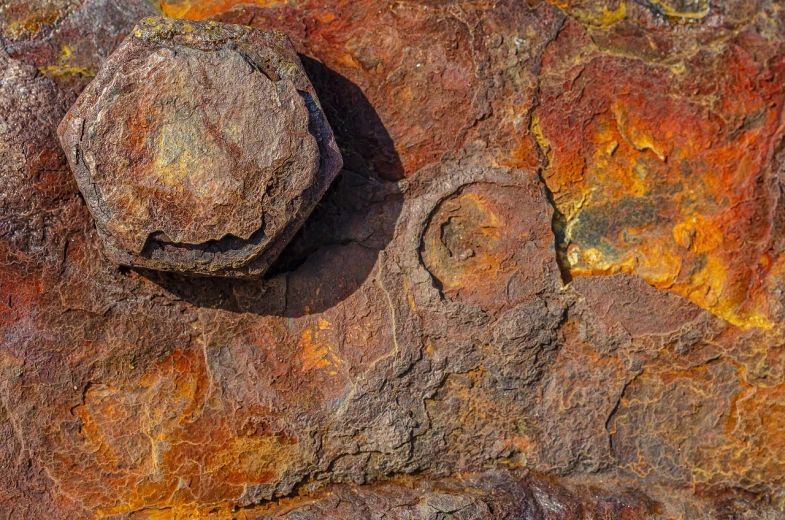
(200, 147)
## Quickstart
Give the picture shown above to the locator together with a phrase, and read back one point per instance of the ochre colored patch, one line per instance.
(25, 16)
(471, 242)
(662, 174)
(315, 352)
(63, 68)
(203, 9)
(158, 443)
(594, 13)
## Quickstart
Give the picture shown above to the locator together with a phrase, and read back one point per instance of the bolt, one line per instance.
(200, 148)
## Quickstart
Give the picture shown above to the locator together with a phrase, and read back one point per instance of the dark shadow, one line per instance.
(337, 247)
(366, 147)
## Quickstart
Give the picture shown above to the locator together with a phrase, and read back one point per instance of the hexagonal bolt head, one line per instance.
(200, 148)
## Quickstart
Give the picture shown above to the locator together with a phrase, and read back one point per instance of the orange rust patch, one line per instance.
(161, 444)
(347, 60)
(661, 174)
(315, 353)
(464, 247)
(203, 9)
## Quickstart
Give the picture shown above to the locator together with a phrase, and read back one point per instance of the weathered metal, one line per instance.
(200, 147)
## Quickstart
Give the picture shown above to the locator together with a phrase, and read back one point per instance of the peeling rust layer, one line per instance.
(547, 283)
(664, 165)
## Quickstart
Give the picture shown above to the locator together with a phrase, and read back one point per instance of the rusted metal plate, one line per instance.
(555, 247)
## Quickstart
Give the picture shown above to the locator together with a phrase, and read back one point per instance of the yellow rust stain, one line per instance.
(176, 160)
(611, 16)
(592, 14)
(536, 130)
(668, 9)
(30, 16)
(63, 68)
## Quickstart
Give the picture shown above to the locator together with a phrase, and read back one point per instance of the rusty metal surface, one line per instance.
(555, 247)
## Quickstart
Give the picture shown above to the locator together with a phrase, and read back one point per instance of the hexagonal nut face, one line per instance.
(200, 148)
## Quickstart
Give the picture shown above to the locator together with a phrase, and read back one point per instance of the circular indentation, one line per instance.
(490, 245)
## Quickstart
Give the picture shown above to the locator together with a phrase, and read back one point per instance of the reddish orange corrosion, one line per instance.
(145, 400)
(162, 443)
(201, 10)
(660, 171)
(19, 290)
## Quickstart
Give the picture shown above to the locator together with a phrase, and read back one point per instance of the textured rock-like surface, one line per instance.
(502, 494)
(67, 40)
(663, 160)
(427, 323)
(200, 147)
